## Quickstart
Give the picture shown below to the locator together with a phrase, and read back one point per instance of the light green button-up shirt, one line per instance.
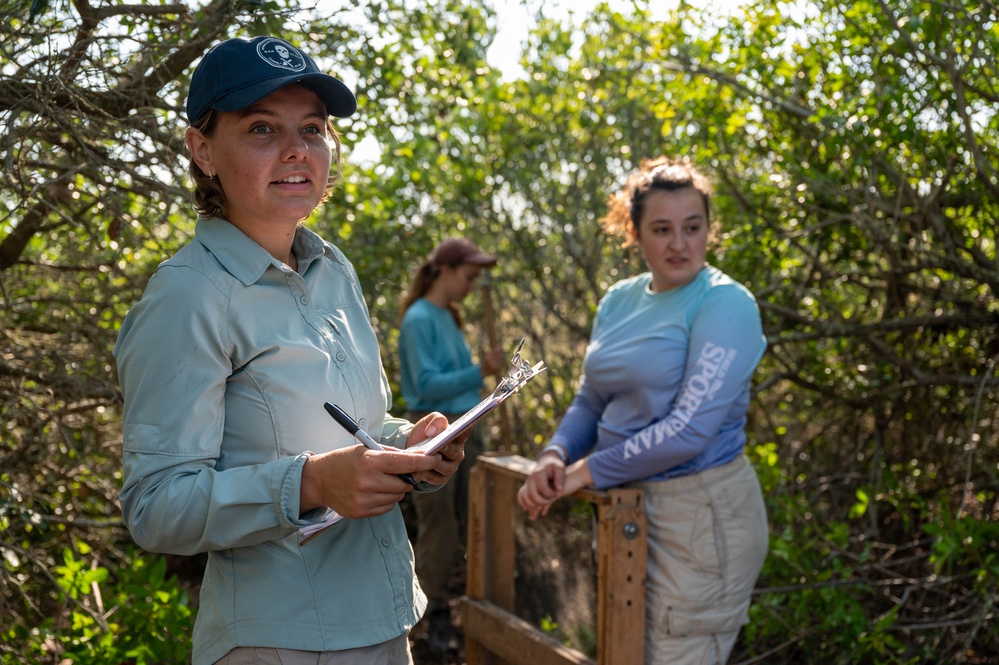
(224, 365)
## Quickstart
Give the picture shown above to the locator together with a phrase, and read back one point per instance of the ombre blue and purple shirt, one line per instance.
(666, 380)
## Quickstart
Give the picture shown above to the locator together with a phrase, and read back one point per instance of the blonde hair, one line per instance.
(209, 198)
(625, 208)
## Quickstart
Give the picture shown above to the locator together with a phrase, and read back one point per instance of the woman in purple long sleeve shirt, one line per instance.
(662, 406)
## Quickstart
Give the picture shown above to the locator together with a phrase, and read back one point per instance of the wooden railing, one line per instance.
(494, 635)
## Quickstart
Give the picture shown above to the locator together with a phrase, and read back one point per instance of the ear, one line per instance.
(200, 148)
(635, 235)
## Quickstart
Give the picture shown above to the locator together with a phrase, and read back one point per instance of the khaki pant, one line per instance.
(393, 652)
(708, 539)
(442, 520)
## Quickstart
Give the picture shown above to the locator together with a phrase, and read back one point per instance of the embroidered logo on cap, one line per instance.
(279, 54)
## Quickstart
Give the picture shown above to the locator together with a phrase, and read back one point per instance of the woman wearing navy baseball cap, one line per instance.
(225, 365)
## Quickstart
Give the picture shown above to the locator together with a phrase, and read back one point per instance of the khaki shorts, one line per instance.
(393, 652)
(708, 538)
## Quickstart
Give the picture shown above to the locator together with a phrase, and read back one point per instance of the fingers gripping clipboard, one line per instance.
(519, 373)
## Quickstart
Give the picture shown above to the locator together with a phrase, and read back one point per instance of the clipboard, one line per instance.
(519, 373)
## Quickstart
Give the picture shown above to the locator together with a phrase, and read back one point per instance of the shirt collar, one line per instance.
(243, 258)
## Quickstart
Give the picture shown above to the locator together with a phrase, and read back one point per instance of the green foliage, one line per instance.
(585, 639)
(550, 627)
(835, 587)
(966, 545)
(853, 146)
(133, 614)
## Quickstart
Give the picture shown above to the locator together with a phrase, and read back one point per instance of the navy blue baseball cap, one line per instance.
(240, 72)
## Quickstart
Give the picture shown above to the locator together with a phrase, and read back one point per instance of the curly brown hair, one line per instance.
(625, 207)
(209, 199)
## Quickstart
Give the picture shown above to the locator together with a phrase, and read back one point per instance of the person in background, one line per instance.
(225, 364)
(662, 406)
(438, 374)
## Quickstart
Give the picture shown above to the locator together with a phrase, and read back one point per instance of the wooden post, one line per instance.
(623, 548)
(477, 573)
(492, 500)
(494, 635)
(489, 319)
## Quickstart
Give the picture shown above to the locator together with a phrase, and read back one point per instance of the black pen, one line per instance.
(355, 430)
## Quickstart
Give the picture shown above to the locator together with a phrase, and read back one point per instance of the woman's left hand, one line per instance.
(550, 481)
(451, 454)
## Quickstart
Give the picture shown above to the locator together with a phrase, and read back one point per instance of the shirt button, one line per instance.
(341, 356)
(304, 300)
(362, 423)
(385, 542)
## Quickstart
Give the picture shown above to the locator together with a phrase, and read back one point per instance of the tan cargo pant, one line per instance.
(708, 538)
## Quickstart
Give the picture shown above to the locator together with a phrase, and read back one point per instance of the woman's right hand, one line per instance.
(357, 482)
(492, 361)
(543, 486)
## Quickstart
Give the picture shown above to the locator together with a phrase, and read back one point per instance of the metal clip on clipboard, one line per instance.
(519, 373)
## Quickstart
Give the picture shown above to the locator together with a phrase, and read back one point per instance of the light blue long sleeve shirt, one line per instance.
(224, 365)
(436, 363)
(666, 380)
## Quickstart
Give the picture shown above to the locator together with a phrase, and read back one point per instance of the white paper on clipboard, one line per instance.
(520, 372)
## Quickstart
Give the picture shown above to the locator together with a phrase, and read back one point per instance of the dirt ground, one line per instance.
(424, 656)
(418, 636)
